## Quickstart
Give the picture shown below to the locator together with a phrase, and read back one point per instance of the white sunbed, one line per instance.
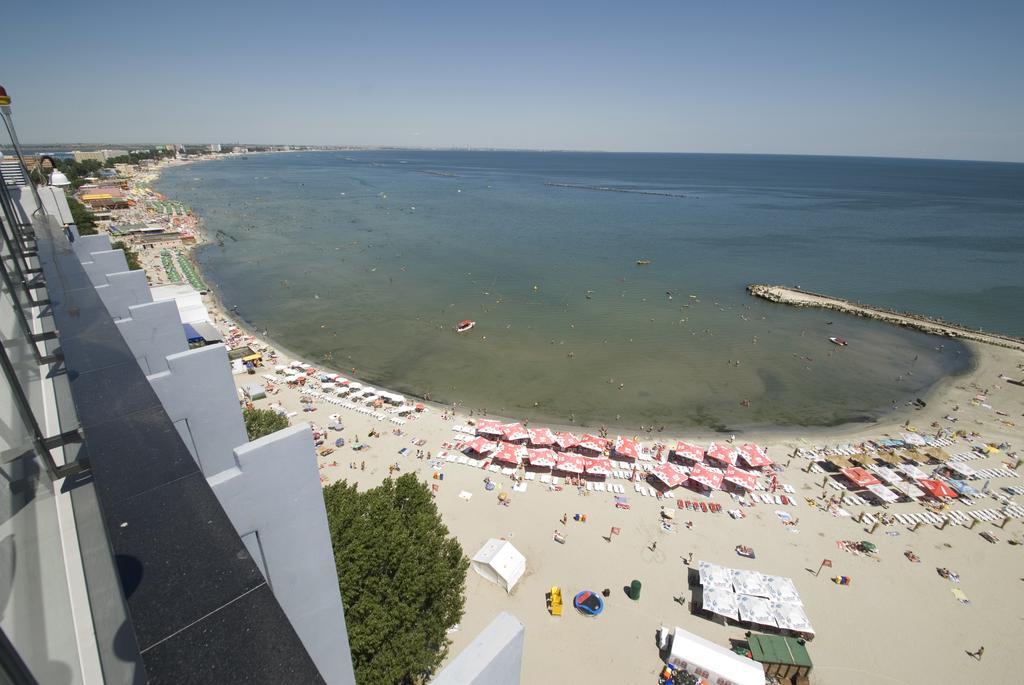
(545, 478)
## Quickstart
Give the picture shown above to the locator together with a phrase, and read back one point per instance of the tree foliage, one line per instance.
(402, 578)
(130, 255)
(83, 218)
(260, 422)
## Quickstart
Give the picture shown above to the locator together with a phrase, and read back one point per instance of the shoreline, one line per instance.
(885, 416)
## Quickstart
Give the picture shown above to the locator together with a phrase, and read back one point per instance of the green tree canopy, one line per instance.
(402, 578)
(83, 218)
(260, 422)
(130, 255)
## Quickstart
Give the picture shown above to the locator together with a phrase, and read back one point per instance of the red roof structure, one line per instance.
(744, 479)
(542, 437)
(488, 427)
(937, 489)
(571, 463)
(593, 443)
(481, 445)
(509, 454)
(597, 466)
(722, 453)
(514, 431)
(754, 456)
(542, 457)
(860, 477)
(624, 447)
(689, 451)
(670, 474)
(566, 440)
(708, 476)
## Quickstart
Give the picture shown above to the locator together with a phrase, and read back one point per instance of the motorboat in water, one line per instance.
(838, 341)
(464, 325)
(643, 262)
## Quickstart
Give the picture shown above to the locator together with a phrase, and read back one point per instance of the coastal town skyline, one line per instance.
(930, 81)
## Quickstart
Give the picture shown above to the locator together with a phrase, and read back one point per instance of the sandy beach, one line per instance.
(896, 622)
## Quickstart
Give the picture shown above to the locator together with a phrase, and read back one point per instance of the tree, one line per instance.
(402, 578)
(82, 217)
(130, 255)
(260, 422)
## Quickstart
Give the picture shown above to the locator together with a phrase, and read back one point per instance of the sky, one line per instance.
(924, 78)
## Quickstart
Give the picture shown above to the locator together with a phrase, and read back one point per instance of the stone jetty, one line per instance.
(803, 298)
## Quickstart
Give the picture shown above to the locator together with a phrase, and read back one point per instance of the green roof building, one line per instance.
(781, 656)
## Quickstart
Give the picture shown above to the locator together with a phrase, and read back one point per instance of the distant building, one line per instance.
(213, 147)
(97, 155)
(239, 149)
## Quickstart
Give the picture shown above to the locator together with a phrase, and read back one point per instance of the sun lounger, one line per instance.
(556, 480)
(590, 487)
(599, 487)
(545, 478)
(530, 475)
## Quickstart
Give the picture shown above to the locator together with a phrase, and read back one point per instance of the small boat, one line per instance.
(464, 326)
(643, 262)
(838, 341)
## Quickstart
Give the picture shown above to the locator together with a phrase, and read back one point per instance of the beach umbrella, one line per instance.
(691, 452)
(744, 479)
(913, 471)
(708, 476)
(670, 474)
(754, 456)
(937, 489)
(624, 447)
(541, 437)
(909, 489)
(570, 463)
(598, 467)
(481, 445)
(963, 488)
(542, 457)
(506, 453)
(566, 440)
(860, 477)
(883, 493)
(722, 453)
(960, 468)
(514, 431)
(593, 443)
(887, 474)
(488, 427)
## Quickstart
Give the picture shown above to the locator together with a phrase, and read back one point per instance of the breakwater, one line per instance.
(804, 298)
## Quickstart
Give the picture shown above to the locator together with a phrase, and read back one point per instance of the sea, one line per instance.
(365, 261)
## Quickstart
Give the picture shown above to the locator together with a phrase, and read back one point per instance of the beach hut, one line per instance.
(570, 463)
(754, 455)
(488, 427)
(499, 562)
(670, 474)
(937, 489)
(744, 479)
(625, 448)
(481, 445)
(592, 443)
(860, 477)
(786, 658)
(541, 437)
(723, 454)
(507, 454)
(688, 452)
(542, 458)
(707, 476)
(514, 432)
(597, 466)
(714, 663)
(566, 440)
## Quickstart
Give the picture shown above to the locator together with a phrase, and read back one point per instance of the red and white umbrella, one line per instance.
(571, 463)
(542, 457)
(566, 440)
(514, 431)
(593, 443)
(722, 453)
(744, 479)
(708, 476)
(689, 451)
(624, 447)
(860, 477)
(937, 489)
(481, 445)
(541, 436)
(670, 474)
(488, 427)
(506, 453)
(754, 456)
(598, 467)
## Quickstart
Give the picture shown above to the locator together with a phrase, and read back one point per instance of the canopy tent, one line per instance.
(624, 447)
(754, 456)
(782, 589)
(720, 601)
(514, 431)
(481, 445)
(913, 471)
(598, 466)
(890, 458)
(861, 459)
(755, 609)
(541, 437)
(937, 454)
(571, 463)
(488, 427)
(909, 489)
(714, 576)
(721, 453)
(960, 468)
(670, 474)
(749, 582)
(566, 440)
(937, 489)
(715, 663)
(708, 476)
(744, 479)
(840, 462)
(593, 443)
(506, 453)
(913, 455)
(860, 477)
(962, 488)
(499, 562)
(689, 451)
(887, 474)
(792, 617)
(883, 493)
(542, 457)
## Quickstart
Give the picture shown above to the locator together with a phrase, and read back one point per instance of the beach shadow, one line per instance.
(606, 538)
(811, 571)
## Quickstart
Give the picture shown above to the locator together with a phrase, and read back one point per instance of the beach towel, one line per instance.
(960, 596)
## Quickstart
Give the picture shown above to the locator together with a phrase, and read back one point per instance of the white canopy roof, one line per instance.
(749, 582)
(720, 601)
(791, 617)
(713, 575)
(909, 489)
(961, 468)
(883, 493)
(499, 562)
(782, 589)
(692, 652)
(913, 471)
(186, 298)
(755, 610)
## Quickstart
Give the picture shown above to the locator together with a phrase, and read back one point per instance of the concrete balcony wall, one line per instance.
(153, 332)
(273, 496)
(103, 262)
(494, 657)
(123, 290)
(85, 245)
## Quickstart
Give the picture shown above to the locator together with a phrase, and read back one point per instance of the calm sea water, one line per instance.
(366, 260)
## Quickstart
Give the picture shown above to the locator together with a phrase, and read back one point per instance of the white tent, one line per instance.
(186, 298)
(792, 617)
(720, 601)
(755, 610)
(691, 652)
(499, 562)
(782, 589)
(749, 582)
(713, 575)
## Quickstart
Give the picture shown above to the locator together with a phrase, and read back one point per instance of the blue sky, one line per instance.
(919, 79)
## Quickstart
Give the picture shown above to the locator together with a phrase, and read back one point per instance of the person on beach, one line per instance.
(654, 545)
(565, 518)
(977, 654)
